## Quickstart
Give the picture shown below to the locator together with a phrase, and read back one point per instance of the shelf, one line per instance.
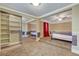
(4, 20)
(4, 29)
(15, 22)
(15, 19)
(15, 26)
(5, 34)
(4, 24)
(10, 28)
(15, 30)
(4, 39)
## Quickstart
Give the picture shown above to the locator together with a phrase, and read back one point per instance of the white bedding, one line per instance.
(62, 37)
(34, 33)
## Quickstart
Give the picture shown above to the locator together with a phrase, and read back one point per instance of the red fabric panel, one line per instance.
(46, 29)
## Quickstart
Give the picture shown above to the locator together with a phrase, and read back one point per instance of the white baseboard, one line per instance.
(11, 47)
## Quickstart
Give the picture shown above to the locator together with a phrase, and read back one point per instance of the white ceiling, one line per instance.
(64, 16)
(40, 10)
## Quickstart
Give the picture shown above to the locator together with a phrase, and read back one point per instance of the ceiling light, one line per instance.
(35, 4)
(59, 19)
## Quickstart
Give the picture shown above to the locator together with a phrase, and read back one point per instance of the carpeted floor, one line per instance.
(30, 47)
(59, 43)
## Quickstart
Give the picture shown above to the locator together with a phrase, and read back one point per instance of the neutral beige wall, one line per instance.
(41, 29)
(65, 27)
(75, 27)
(29, 26)
(38, 27)
(61, 27)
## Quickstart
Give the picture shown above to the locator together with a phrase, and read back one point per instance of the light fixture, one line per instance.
(59, 19)
(35, 4)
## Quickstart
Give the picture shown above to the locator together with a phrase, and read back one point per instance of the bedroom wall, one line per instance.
(39, 27)
(61, 27)
(75, 28)
(31, 26)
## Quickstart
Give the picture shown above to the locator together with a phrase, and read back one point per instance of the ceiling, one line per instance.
(63, 16)
(40, 10)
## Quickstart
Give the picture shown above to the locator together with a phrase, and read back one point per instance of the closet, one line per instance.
(14, 29)
(10, 29)
(4, 29)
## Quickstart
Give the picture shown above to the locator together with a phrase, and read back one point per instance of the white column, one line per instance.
(38, 29)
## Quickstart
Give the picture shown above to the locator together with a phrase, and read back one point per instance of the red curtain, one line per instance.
(46, 29)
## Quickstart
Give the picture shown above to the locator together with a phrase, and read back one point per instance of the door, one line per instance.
(46, 29)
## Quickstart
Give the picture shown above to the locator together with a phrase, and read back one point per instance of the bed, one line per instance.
(33, 33)
(67, 36)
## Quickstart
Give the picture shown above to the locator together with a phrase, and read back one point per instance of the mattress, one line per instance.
(33, 33)
(62, 35)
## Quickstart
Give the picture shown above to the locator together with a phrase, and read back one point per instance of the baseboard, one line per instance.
(11, 47)
(75, 51)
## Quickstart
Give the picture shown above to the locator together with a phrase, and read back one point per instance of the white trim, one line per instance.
(15, 11)
(31, 20)
(59, 10)
(11, 47)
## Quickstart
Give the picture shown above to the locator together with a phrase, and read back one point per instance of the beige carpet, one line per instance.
(59, 43)
(30, 47)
